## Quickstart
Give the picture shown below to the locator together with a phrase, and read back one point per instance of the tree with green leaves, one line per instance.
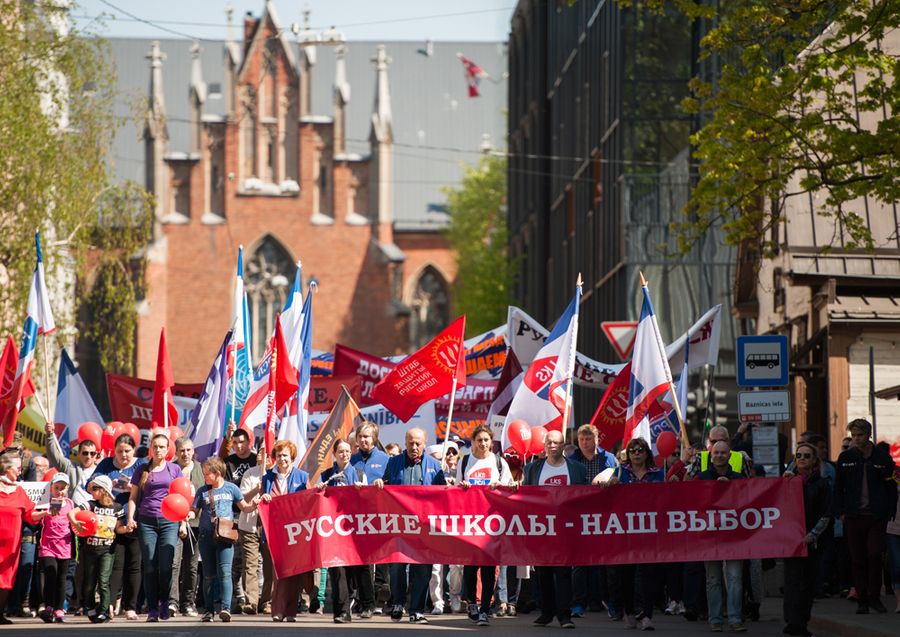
(478, 234)
(796, 106)
(56, 129)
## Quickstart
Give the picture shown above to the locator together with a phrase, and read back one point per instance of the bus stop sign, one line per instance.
(762, 361)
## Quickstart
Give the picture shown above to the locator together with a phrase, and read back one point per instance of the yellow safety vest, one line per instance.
(736, 461)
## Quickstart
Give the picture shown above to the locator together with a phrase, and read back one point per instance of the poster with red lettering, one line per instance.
(542, 526)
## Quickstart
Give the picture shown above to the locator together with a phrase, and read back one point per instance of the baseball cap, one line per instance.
(60, 477)
(103, 482)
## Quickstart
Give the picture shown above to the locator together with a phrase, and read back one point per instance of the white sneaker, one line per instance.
(672, 608)
(438, 609)
(647, 624)
(455, 603)
(680, 609)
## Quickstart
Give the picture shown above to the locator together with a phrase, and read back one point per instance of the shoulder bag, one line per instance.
(223, 529)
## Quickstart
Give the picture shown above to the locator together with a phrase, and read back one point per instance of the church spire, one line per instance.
(341, 99)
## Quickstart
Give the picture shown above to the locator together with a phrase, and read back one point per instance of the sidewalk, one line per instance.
(837, 617)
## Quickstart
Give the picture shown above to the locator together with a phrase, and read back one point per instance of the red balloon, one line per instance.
(49, 475)
(659, 460)
(174, 434)
(519, 435)
(175, 507)
(895, 451)
(89, 520)
(537, 440)
(132, 430)
(90, 431)
(666, 443)
(108, 439)
(182, 486)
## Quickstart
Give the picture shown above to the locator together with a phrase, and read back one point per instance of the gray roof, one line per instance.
(432, 113)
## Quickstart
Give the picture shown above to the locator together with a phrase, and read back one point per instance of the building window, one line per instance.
(268, 280)
(430, 308)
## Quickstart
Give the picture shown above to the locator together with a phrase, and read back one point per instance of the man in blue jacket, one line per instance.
(555, 581)
(414, 468)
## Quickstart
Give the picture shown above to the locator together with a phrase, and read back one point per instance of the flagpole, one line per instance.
(233, 378)
(568, 406)
(166, 409)
(449, 422)
(685, 441)
(47, 376)
(37, 397)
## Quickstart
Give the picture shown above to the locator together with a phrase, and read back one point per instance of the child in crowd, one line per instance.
(99, 553)
(55, 549)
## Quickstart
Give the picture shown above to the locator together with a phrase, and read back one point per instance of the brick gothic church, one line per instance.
(269, 174)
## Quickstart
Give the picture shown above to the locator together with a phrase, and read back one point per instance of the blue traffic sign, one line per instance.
(762, 361)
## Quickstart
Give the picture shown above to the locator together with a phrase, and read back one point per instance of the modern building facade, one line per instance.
(599, 168)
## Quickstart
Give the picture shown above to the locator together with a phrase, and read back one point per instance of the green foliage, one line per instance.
(781, 118)
(56, 127)
(478, 234)
(794, 110)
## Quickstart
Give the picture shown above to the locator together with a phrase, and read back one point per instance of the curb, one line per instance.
(850, 628)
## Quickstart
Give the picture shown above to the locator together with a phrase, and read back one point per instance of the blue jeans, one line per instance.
(217, 559)
(157, 539)
(893, 544)
(734, 582)
(419, 574)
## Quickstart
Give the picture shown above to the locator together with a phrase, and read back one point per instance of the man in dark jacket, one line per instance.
(555, 581)
(416, 468)
(865, 498)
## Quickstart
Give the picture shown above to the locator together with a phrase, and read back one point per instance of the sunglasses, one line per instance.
(97, 488)
(637, 450)
(452, 452)
(803, 456)
(89, 454)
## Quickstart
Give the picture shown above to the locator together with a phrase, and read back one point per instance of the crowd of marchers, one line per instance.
(128, 561)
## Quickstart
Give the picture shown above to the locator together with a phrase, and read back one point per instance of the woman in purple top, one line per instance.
(157, 535)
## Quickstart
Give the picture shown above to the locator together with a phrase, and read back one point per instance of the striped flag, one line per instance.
(239, 360)
(74, 404)
(38, 320)
(208, 416)
(650, 376)
(295, 425)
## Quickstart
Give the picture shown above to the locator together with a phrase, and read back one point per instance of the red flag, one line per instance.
(9, 362)
(282, 385)
(164, 412)
(473, 72)
(427, 374)
(609, 419)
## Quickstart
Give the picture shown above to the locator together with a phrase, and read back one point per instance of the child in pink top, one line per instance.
(55, 549)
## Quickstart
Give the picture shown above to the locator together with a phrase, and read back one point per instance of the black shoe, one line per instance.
(396, 613)
(417, 618)
(566, 623)
(690, 614)
(862, 609)
(877, 606)
(208, 617)
(543, 620)
(343, 618)
(473, 612)
(366, 614)
(4, 620)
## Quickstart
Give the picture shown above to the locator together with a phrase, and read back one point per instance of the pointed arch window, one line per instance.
(270, 271)
(430, 307)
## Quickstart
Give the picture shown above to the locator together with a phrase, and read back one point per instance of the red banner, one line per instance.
(324, 391)
(544, 526)
(370, 369)
(131, 399)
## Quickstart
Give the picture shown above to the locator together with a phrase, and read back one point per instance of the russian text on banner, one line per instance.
(427, 374)
(624, 524)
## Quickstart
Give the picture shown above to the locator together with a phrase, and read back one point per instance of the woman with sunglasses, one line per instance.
(126, 573)
(800, 572)
(638, 467)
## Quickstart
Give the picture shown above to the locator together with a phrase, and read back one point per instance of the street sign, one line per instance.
(762, 361)
(621, 335)
(764, 406)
